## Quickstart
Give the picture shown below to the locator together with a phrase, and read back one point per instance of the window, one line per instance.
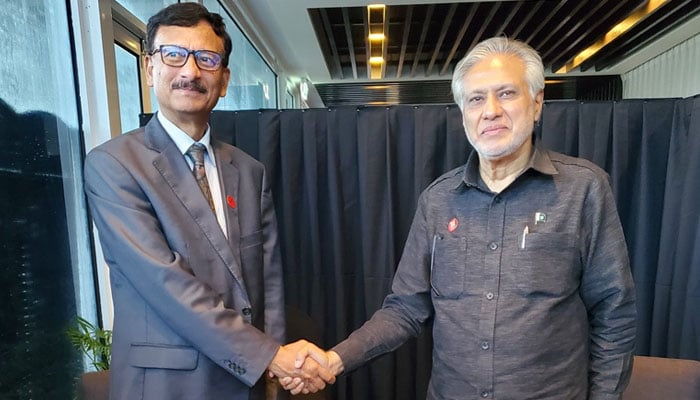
(129, 88)
(253, 84)
(133, 99)
(43, 233)
(289, 100)
(143, 9)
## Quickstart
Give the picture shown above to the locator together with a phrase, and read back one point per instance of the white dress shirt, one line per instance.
(183, 141)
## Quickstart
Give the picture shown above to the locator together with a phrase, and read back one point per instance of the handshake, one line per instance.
(302, 367)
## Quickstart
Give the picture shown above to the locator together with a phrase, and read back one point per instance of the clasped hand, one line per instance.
(302, 367)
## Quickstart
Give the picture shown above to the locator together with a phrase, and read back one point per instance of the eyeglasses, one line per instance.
(176, 56)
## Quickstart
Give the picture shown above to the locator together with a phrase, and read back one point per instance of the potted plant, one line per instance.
(94, 342)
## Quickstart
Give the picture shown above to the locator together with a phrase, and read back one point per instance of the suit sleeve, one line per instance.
(272, 264)
(137, 250)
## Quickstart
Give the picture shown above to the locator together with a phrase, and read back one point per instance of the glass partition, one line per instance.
(43, 234)
(253, 84)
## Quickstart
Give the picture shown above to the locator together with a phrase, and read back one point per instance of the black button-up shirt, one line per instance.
(529, 290)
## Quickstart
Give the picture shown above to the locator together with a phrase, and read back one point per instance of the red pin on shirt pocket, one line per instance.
(231, 201)
(452, 225)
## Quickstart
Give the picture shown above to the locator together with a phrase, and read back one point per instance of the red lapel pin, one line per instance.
(452, 225)
(231, 201)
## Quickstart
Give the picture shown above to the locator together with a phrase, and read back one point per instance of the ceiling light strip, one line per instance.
(376, 14)
(616, 31)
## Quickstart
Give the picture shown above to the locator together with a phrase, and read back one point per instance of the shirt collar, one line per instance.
(539, 161)
(182, 140)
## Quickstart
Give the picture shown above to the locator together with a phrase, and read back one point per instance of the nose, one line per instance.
(492, 106)
(190, 69)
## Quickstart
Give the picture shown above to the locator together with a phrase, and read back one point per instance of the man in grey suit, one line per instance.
(194, 258)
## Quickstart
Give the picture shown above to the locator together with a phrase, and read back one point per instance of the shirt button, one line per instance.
(489, 296)
(247, 311)
(485, 345)
(484, 394)
(493, 245)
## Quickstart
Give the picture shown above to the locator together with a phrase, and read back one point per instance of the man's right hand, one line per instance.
(305, 376)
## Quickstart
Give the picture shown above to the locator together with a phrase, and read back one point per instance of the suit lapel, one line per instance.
(171, 164)
(228, 181)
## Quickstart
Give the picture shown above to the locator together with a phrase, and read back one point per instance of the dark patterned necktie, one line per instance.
(196, 154)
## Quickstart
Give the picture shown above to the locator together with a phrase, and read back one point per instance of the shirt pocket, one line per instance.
(549, 264)
(447, 266)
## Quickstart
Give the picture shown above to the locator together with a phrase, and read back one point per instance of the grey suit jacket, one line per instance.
(190, 304)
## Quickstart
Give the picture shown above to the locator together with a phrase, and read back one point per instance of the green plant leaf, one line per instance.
(94, 342)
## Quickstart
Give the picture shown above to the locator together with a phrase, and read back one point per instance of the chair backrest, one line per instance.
(656, 378)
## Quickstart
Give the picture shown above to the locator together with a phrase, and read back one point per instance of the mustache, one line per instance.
(189, 85)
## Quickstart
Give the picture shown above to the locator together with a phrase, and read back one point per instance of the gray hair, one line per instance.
(534, 70)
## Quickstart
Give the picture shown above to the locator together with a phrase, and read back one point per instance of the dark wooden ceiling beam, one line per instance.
(460, 36)
(385, 46)
(351, 47)
(682, 16)
(322, 35)
(506, 21)
(574, 31)
(338, 73)
(445, 26)
(557, 31)
(478, 37)
(424, 33)
(541, 24)
(660, 21)
(593, 32)
(515, 34)
(404, 39)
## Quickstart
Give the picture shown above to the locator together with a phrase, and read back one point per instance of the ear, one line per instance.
(226, 75)
(539, 101)
(149, 70)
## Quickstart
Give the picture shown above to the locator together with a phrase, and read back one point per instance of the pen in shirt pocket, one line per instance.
(436, 237)
(525, 232)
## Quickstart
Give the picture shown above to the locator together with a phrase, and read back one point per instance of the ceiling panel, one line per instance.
(425, 41)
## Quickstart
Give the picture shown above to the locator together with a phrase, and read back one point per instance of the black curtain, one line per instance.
(346, 181)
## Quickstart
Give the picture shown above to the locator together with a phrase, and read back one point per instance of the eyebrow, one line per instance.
(187, 48)
(497, 89)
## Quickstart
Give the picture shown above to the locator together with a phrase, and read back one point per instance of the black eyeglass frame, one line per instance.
(196, 53)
